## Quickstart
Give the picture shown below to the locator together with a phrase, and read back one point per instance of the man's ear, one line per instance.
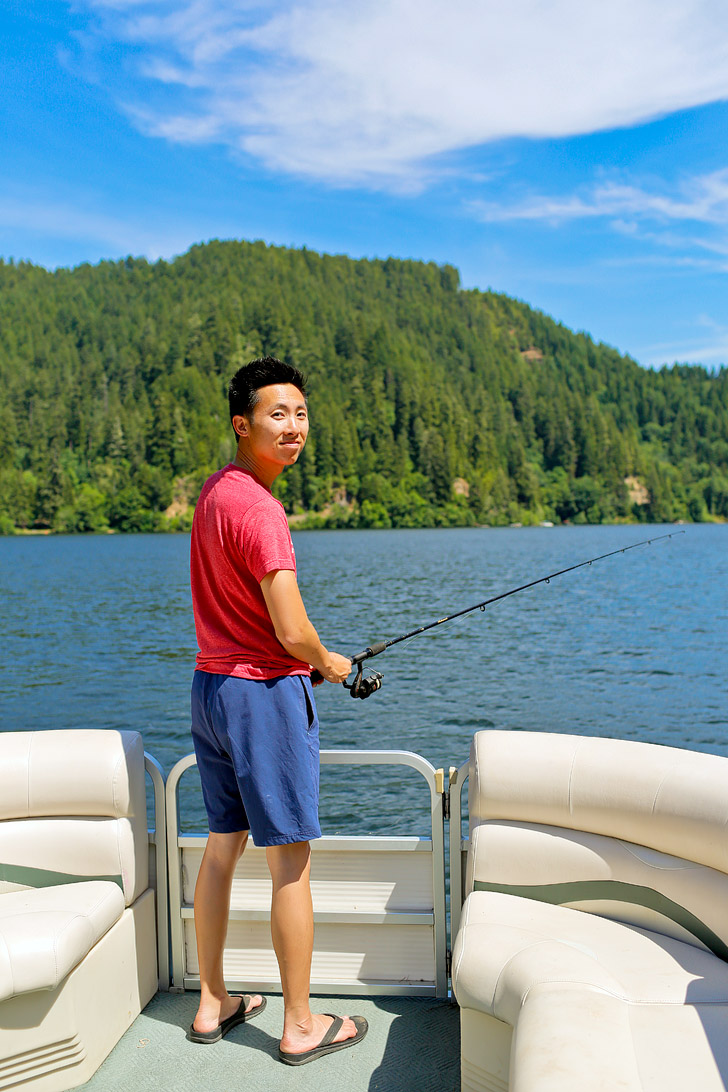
(240, 424)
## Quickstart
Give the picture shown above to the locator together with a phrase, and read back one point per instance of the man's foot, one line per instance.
(210, 1027)
(327, 1034)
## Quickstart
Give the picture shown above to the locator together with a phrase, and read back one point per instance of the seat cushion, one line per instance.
(508, 946)
(73, 802)
(579, 1039)
(72, 771)
(605, 876)
(45, 933)
(593, 1003)
(665, 798)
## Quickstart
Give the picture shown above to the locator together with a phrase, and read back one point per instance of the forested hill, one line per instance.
(430, 405)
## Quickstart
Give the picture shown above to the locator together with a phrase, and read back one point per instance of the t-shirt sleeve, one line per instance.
(266, 540)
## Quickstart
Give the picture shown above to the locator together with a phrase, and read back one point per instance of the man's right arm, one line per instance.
(294, 629)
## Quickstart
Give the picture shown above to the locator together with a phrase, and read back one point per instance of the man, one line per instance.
(254, 722)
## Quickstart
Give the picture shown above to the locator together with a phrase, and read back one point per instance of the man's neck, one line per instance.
(265, 475)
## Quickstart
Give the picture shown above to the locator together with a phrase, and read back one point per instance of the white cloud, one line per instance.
(702, 199)
(375, 91)
(676, 231)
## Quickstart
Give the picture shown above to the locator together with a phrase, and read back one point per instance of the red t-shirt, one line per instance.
(239, 533)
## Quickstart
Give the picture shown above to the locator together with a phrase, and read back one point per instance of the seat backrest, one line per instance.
(633, 831)
(73, 807)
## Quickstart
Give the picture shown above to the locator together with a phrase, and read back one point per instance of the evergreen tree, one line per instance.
(430, 405)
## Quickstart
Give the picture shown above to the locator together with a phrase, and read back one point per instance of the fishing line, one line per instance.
(363, 687)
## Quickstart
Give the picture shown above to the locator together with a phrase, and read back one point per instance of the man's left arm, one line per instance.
(294, 629)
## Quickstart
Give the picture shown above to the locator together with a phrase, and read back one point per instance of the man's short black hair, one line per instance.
(247, 381)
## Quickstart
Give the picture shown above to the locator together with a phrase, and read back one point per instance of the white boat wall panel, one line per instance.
(494, 1039)
(394, 875)
(373, 910)
(346, 954)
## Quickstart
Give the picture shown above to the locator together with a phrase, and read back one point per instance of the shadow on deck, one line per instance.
(413, 1043)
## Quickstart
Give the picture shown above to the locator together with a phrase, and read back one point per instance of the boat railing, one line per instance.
(158, 875)
(458, 845)
(379, 901)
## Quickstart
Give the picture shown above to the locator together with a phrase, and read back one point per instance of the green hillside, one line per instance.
(430, 405)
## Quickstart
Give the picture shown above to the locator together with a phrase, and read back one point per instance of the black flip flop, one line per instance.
(326, 1046)
(238, 1017)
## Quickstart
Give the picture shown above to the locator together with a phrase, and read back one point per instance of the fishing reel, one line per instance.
(363, 687)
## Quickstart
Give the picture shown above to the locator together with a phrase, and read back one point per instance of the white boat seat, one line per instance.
(46, 932)
(593, 946)
(516, 945)
(77, 913)
(73, 806)
(593, 1003)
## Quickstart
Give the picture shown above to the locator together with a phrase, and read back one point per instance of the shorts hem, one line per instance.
(232, 830)
(288, 839)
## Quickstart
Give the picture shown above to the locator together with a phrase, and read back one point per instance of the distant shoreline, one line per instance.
(44, 532)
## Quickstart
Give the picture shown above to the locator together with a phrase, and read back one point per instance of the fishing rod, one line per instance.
(362, 687)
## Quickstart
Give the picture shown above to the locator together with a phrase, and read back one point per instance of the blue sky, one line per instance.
(571, 153)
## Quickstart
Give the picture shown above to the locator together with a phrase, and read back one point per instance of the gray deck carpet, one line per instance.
(412, 1044)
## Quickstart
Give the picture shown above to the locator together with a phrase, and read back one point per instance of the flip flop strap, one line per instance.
(333, 1030)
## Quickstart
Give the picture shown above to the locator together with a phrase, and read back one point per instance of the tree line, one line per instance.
(430, 405)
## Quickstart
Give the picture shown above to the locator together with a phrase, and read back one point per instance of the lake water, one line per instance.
(97, 632)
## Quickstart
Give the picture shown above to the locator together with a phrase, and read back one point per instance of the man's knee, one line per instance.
(225, 849)
(289, 862)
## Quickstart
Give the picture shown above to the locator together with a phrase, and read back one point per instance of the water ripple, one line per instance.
(97, 631)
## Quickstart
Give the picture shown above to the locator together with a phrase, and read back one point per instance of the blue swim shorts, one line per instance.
(257, 748)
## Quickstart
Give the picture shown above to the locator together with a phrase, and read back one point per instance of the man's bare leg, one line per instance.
(212, 907)
(292, 931)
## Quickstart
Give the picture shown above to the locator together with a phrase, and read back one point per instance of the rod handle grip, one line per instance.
(372, 650)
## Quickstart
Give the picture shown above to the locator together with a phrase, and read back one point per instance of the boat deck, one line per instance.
(412, 1043)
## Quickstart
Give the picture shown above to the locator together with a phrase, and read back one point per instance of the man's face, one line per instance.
(278, 426)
